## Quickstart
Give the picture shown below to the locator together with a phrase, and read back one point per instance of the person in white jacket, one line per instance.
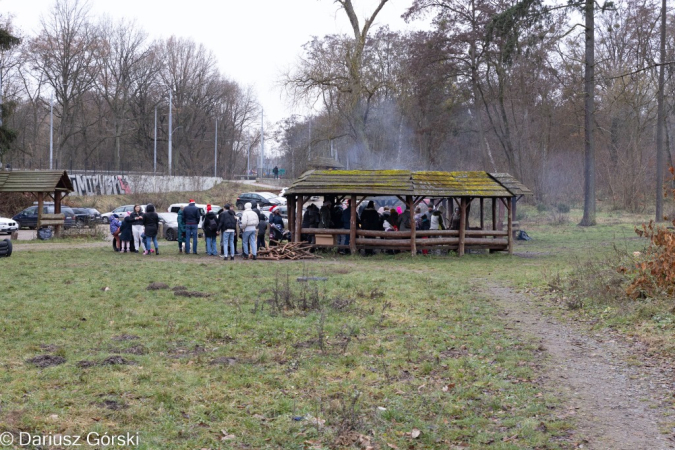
(249, 223)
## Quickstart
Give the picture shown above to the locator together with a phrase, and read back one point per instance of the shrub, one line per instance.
(655, 271)
(563, 208)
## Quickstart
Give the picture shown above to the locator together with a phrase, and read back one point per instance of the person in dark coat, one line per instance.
(262, 231)
(310, 220)
(370, 220)
(210, 229)
(126, 235)
(254, 208)
(276, 225)
(151, 224)
(181, 230)
(191, 216)
(227, 225)
(325, 216)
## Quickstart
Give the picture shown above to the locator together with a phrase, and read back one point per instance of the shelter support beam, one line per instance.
(411, 210)
(462, 226)
(298, 217)
(352, 225)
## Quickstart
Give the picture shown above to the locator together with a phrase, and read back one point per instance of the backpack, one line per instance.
(213, 225)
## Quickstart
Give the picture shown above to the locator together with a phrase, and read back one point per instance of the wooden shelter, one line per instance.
(54, 184)
(411, 188)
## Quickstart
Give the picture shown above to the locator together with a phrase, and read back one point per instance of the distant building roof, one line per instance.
(321, 162)
(35, 181)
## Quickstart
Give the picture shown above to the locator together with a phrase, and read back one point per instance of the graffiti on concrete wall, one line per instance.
(100, 184)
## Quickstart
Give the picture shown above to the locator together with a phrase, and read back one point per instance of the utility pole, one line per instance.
(215, 153)
(154, 166)
(262, 141)
(170, 128)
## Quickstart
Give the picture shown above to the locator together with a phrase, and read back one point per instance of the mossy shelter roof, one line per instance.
(35, 181)
(402, 182)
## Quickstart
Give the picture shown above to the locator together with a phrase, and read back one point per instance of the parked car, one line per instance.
(202, 210)
(120, 211)
(8, 225)
(169, 222)
(261, 198)
(29, 216)
(86, 217)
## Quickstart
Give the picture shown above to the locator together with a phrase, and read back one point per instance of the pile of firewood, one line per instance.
(291, 250)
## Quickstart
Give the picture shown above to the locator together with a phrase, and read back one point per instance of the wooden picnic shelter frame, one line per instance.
(411, 188)
(42, 184)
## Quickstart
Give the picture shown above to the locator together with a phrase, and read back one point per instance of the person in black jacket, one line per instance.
(310, 220)
(125, 232)
(151, 224)
(210, 228)
(370, 220)
(191, 217)
(262, 231)
(227, 225)
(254, 207)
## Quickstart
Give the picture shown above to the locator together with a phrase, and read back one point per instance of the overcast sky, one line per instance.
(253, 40)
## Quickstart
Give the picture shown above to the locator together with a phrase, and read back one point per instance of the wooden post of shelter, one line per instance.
(352, 225)
(482, 215)
(494, 214)
(410, 205)
(509, 209)
(291, 218)
(41, 202)
(299, 203)
(462, 226)
(57, 210)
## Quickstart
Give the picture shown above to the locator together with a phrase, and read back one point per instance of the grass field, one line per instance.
(389, 352)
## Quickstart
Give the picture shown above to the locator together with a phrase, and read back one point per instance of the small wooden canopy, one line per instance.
(55, 184)
(42, 181)
(411, 188)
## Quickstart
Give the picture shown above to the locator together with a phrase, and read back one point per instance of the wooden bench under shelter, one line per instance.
(54, 184)
(412, 187)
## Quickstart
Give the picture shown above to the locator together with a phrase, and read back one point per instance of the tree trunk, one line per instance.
(589, 114)
(660, 118)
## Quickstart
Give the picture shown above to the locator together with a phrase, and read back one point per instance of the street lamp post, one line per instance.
(170, 128)
(51, 131)
(154, 166)
(215, 153)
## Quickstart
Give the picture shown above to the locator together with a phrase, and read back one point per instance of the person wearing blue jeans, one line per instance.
(227, 225)
(191, 217)
(249, 222)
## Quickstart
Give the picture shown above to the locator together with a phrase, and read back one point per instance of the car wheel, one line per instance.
(240, 206)
(80, 224)
(106, 220)
(170, 235)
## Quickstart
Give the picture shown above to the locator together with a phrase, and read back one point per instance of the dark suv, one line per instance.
(261, 198)
(86, 216)
(28, 217)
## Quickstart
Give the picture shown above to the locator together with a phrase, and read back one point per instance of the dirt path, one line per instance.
(619, 399)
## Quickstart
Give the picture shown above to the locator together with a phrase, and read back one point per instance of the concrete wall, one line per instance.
(128, 184)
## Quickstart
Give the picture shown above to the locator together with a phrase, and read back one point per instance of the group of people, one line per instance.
(136, 230)
(333, 215)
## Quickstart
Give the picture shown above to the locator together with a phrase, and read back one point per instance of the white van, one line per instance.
(202, 210)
